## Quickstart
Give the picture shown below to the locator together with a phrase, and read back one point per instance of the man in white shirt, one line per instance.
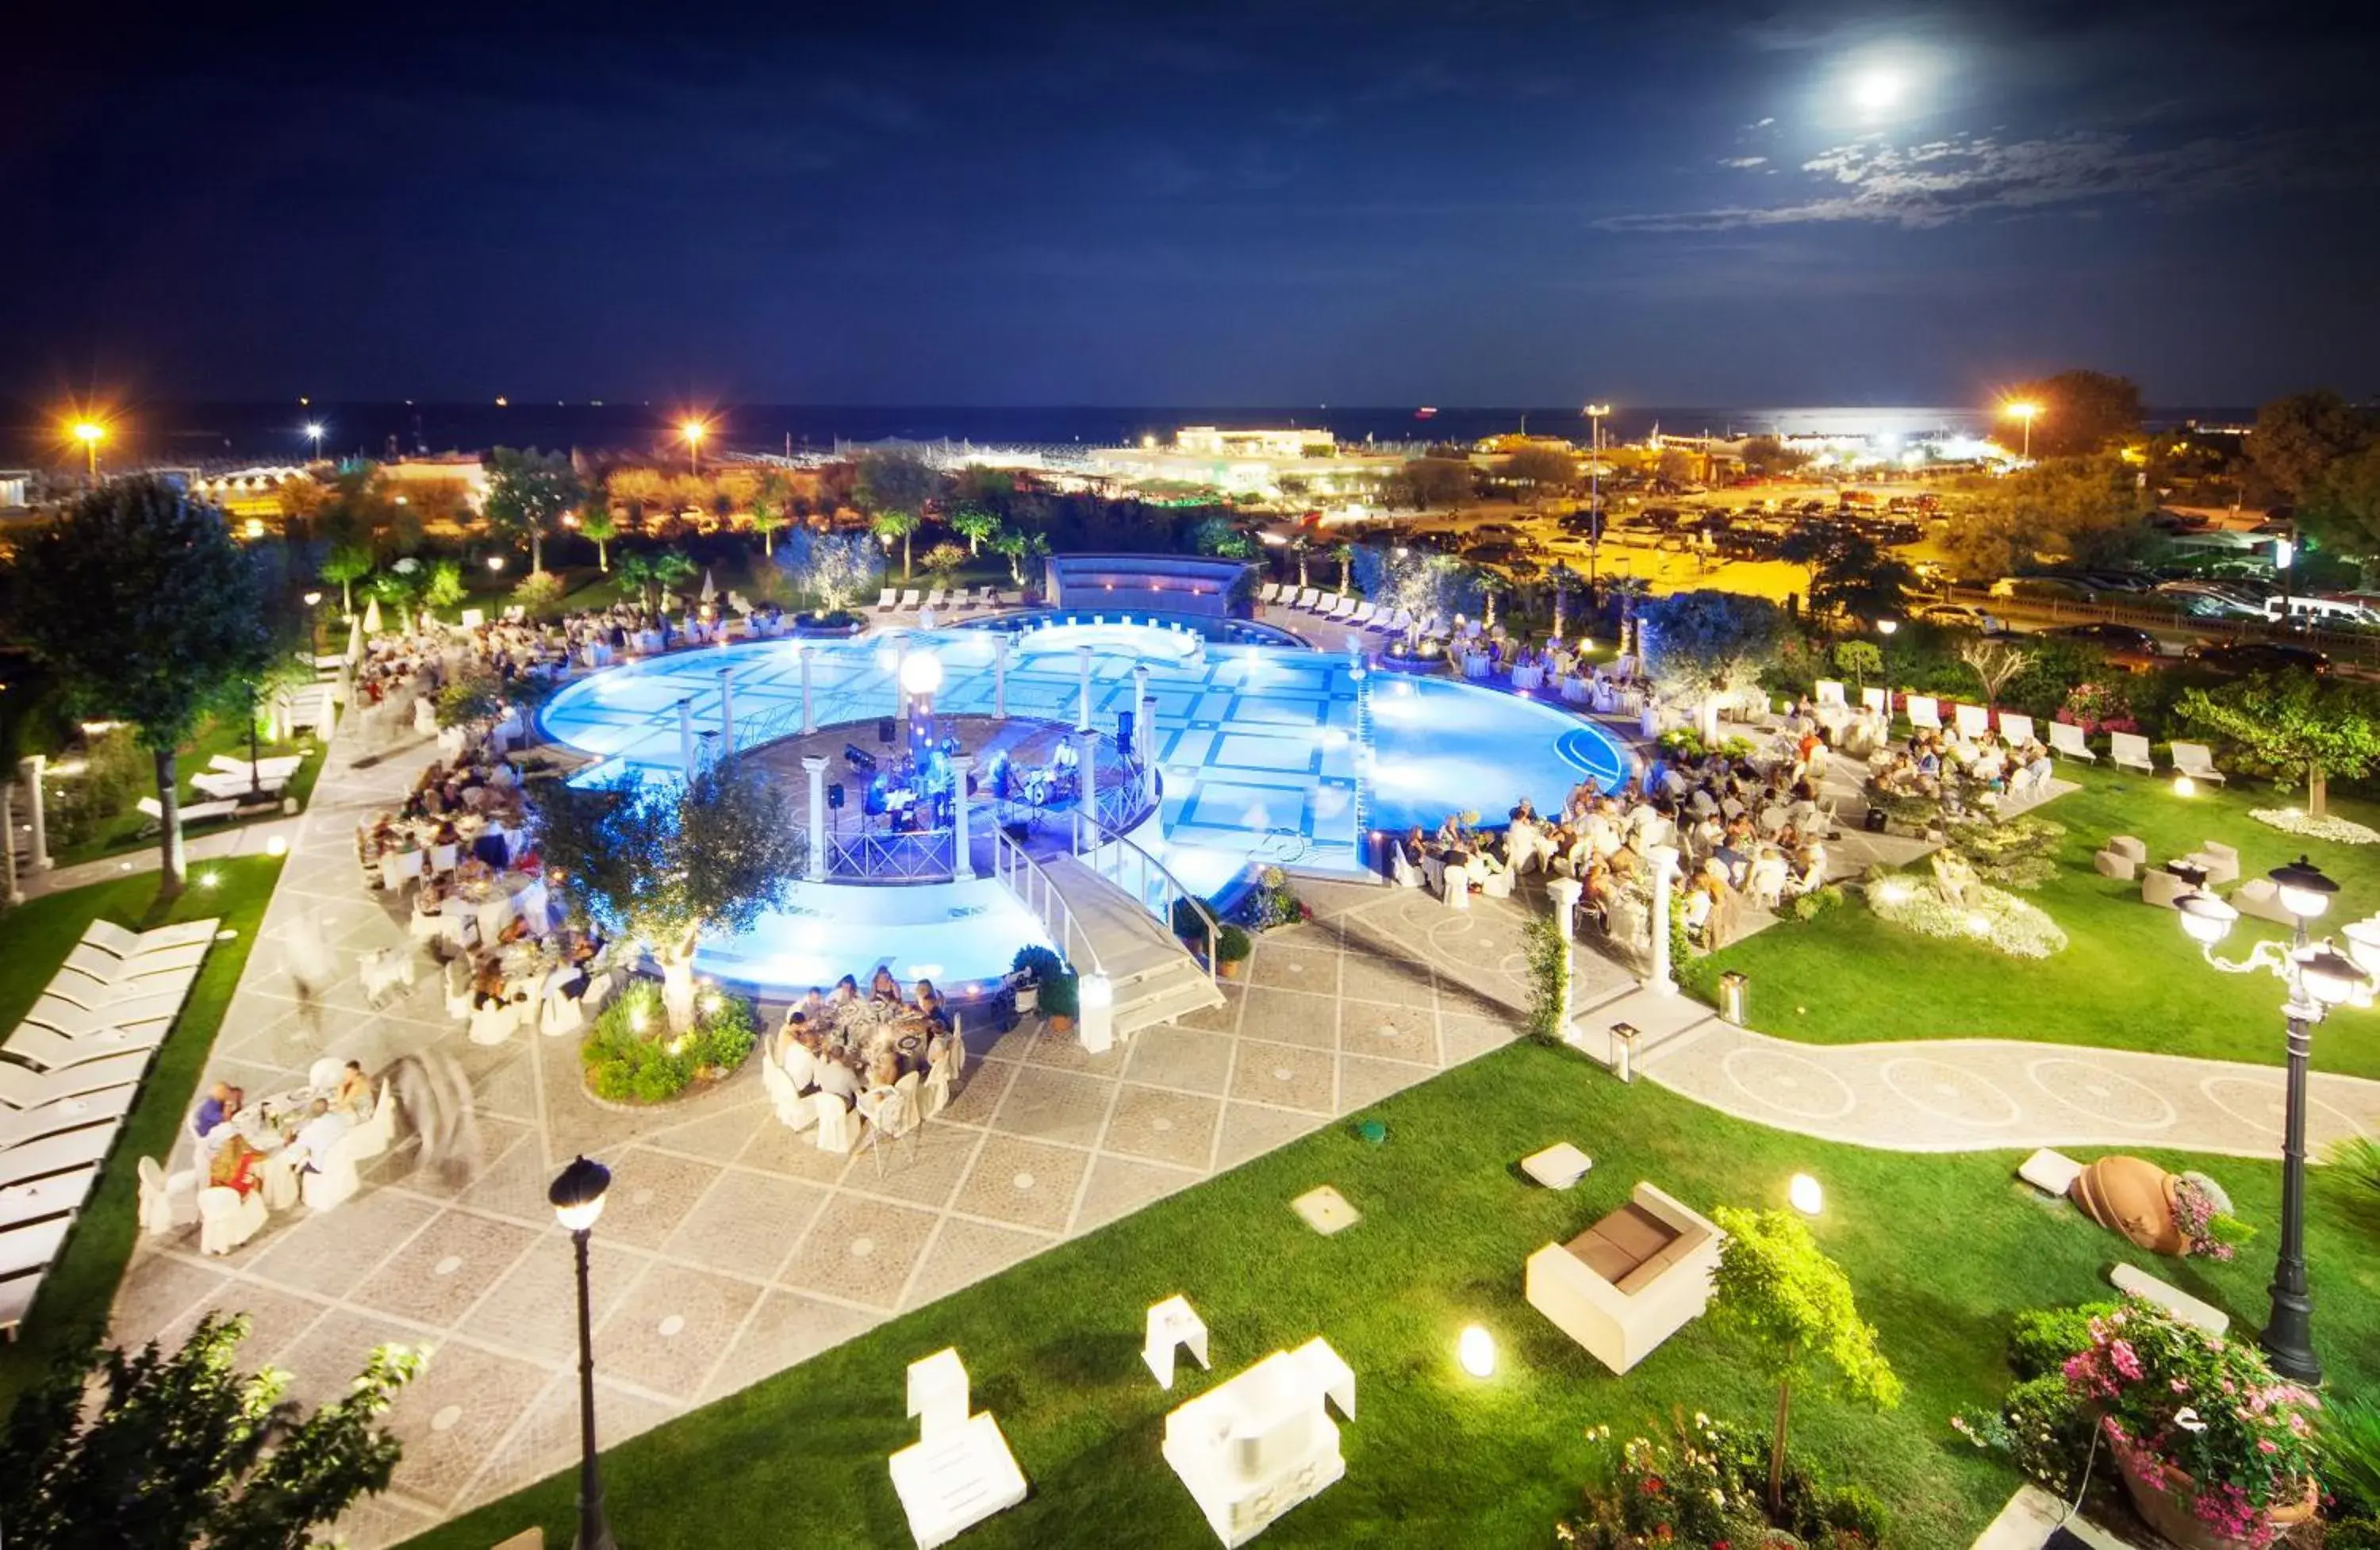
(835, 1077)
(312, 1147)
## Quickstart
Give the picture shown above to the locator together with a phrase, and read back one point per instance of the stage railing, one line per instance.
(1024, 877)
(1122, 861)
(918, 857)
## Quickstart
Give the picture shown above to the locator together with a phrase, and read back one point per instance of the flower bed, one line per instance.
(1989, 918)
(631, 1056)
(2293, 820)
(1706, 1487)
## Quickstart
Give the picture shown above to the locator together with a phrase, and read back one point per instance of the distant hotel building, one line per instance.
(1249, 462)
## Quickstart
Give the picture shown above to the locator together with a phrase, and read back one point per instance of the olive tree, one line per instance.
(148, 611)
(2294, 722)
(1707, 645)
(835, 568)
(156, 1449)
(528, 494)
(666, 860)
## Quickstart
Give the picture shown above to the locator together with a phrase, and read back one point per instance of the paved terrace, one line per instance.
(730, 1247)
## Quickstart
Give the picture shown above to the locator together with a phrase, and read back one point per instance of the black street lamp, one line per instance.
(2318, 978)
(578, 1199)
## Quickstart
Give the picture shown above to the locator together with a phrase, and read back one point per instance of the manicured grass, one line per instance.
(2129, 978)
(122, 834)
(1942, 1251)
(34, 939)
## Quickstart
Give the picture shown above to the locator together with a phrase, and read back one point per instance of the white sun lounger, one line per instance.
(910, 598)
(93, 994)
(133, 973)
(1305, 598)
(190, 812)
(38, 1159)
(2015, 728)
(125, 943)
(60, 1195)
(986, 596)
(75, 1022)
(54, 1051)
(108, 1105)
(1270, 592)
(887, 598)
(1326, 604)
(2195, 760)
(2130, 750)
(20, 1088)
(284, 765)
(219, 787)
(1366, 614)
(1972, 721)
(1924, 712)
(934, 598)
(2066, 738)
(32, 1247)
(1346, 609)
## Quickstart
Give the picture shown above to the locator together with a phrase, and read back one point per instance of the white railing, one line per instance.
(891, 857)
(1024, 877)
(1122, 861)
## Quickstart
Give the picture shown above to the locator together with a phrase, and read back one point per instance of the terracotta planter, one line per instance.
(1230, 967)
(1061, 1024)
(2132, 1197)
(2162, 1495)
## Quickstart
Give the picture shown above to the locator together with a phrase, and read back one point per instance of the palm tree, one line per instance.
(597, 524)
(1489, 583)
(772, 508)
(975, 524)
(892, 524)
(1345, 554)
(637, 570)
(1562, 578)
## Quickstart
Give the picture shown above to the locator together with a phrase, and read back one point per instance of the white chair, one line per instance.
(1401, 871)
(792, 1112)
(1875, 700)
(458, 989)
(443, 859)
(2016, 728)
(400, 867)
(227, 1220)
(1972, 721)
(2130, 750)
(838, 1128)
(934, 1093)
(2196, 761)
(496, 1023)
(158, 1189)
(324, 1073)
(1456, 883)
(2066, 741)
(1925, 712)
(336, 1181)
(895, 1116)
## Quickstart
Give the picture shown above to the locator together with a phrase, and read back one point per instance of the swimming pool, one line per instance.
(1271, 755)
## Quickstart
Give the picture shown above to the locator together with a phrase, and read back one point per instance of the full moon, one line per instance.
(1878, 91)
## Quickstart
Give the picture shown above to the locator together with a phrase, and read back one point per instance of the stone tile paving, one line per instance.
(731, 1247)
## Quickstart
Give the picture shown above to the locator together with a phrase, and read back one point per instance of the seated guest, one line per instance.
(487, 984)
(811, 1009)
(312, 1146)
(794, 1055)
(885, 988)
(929, 1001)
(234, 1165)
(846, 991)
(834, 1075)
(354, 1095)
(213, 1109)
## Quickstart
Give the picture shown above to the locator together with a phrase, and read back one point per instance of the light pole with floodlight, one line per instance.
(1594, 413)
(694, 431)
(314, 434)
(2318, 978)
(576, 1196)
(90, 433)
(2025, 411)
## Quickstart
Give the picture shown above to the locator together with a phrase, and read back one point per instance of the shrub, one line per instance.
(472, 695)
(2044, 1338)
(1062, 996)
(1273, 902)
(1703, 1487)
(630, 1056)
(1232, 945)
(2350, 1429)
(1549, 970)
(1818, 901)
(115, 772)
(2014, 853)
(2358, 1159)
(2098, 706)
(540, 592)
(1042, 963)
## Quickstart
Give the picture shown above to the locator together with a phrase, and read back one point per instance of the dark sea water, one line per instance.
(217, 434)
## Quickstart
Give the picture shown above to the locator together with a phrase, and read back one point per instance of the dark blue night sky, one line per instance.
(1224, 202)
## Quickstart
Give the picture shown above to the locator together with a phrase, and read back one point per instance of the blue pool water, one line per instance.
(1271, 754)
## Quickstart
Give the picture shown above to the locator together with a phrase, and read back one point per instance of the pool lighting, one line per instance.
(1477, 1350)
(1806, 1195)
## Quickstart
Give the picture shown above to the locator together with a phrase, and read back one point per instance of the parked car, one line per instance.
(1959, 616)
(2043, 588)
(2243, 657)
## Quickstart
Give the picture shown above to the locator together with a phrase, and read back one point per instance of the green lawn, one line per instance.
(34, 939)
(2128, 977)
(122, 834)
(1943, 1250)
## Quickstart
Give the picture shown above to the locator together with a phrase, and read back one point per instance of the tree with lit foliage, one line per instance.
(1437, 482)
(666, 860)
(887, 481)
(903, 524)
(2079, 412)
(346, 564)
(835, 568)
(2090, 510)
(1792, 1305)
(1852, 575)
(1768, 456)
(2293, 723)
(772, 509)
(528, 494)
(976, 524)
(599, 526)
(2341, 511)
(1539, 470)
(1016, 548)
(1420, 583)
(156, 1449)
(139, 600)
(1708, 644)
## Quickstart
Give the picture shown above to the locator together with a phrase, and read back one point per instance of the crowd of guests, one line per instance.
(1950, 765)
(862, 1047)
(222, 1126)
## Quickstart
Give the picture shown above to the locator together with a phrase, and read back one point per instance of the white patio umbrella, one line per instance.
(710, 591)
(372, 617)
(355, 639)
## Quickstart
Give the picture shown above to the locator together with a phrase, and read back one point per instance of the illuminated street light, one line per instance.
(495, 561)
(694, 431)
(90, 433)
(314, 434)
(2025, 409)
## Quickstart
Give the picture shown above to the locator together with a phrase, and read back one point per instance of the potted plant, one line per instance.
(1062, 1002)
(1232, 949)
(2216, 1453)
(1189, 926)
(1039, 965)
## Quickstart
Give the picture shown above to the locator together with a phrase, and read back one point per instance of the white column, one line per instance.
(1000, 677)
(1086, 753)
(1083, 661)
(1564, 892)
(35, 766)
(961, 856)
(727, 709)
(900, 694)
(814, 766)
(14, 894)
(686, 737)
(1665, 867)
(810, 720)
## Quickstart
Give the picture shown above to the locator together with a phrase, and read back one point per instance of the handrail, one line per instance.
(1038, 892)
(1106, 836)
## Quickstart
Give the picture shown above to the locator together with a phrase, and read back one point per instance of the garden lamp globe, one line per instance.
(2327, 978)
(577, 1193)
(2304, 891)
(2206, 918)
(2364, 945)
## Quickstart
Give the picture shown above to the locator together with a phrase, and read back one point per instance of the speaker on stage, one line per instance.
(888, 730)
(835, 796)
(1874, 823)
(1123, 732)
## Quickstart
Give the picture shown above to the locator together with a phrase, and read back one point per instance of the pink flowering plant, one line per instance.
(2203, 1212)
(2205, 1406)
(2098, 707)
